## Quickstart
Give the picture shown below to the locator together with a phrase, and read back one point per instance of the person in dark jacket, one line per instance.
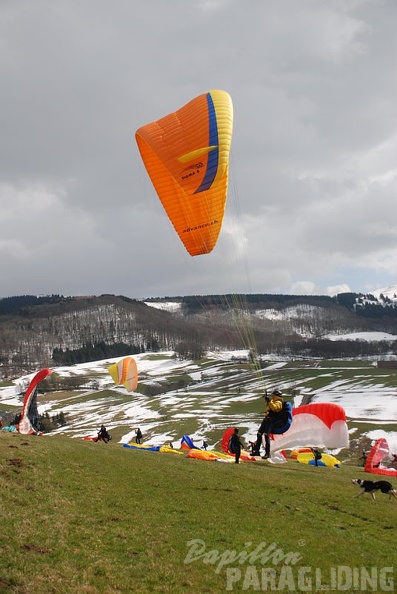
(103, 434)
(235, 445)
(317, 455)
(274, 410)
(138, 437)
(363, 458)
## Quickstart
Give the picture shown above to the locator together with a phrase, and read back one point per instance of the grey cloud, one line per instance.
(311, 195)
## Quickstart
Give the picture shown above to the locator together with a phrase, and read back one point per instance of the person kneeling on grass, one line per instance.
(103, 435)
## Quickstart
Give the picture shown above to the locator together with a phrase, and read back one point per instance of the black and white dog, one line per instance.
(372, 486)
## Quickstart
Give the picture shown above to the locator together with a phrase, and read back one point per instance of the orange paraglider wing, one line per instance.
(186, 155)
(125, 373)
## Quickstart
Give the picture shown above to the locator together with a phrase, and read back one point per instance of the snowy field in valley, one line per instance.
(208, 405)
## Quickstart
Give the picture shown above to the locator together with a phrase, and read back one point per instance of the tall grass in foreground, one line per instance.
(91, 518)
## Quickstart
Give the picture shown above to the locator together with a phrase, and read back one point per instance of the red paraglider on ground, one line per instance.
(29, 420)
(379, 452)
(225, 446)
(321, 424)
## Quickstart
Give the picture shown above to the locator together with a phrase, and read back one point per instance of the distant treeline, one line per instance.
(19, 304)
(374, 311)
(338, 349)
(355, 302)
(194, 303)
(366, 306)
(49, 423)
(94, 352)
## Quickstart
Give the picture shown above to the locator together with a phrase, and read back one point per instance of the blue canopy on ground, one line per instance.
(187, 443)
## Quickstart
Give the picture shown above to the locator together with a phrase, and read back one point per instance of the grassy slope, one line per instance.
(93, 518)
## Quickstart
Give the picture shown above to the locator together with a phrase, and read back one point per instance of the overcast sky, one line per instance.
(312, 201)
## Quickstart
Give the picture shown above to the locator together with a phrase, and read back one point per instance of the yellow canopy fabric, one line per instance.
(125, 373)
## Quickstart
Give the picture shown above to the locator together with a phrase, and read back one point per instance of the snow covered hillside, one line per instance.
(36, 332)
(222, 391)
(389, 292)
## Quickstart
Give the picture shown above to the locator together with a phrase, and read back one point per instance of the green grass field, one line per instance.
(91, 518)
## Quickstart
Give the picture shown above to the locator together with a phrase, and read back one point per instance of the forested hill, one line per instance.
(46, 330)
